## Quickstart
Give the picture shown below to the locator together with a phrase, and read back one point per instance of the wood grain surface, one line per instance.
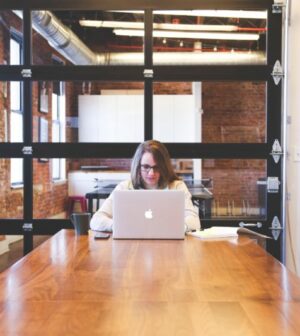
(75, 285)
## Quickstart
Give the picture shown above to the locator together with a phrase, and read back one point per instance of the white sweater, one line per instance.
(103, 218)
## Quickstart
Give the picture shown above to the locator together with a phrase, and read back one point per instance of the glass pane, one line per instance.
(88, 37)
(209, 37)
(226, 188)
(53, 198)
(11, 113)
(15, 96)
(4, 115)
(11, 32)
(16, 171)
(54, 106)
(16, 127)
(210, 112)
(15, 52)
(89, 112)
(11, 196)
(55, 132)
(55, 169)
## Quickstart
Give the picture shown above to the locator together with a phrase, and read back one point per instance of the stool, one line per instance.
(71, 203)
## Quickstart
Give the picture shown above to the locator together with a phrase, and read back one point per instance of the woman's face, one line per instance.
(149, 171)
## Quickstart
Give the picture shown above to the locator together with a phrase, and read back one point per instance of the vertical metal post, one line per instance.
(286, 12)
(274, 126)
(27, 131)
(148, 82)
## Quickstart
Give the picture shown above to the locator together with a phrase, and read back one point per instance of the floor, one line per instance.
(16, 252)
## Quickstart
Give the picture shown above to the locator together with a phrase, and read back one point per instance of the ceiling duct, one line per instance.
(62, 38)
(69, 45)
(185, 58)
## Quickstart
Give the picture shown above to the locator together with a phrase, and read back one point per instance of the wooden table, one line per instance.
(78, 286)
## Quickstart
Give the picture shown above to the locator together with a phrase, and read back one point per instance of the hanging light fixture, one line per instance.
(189, 35)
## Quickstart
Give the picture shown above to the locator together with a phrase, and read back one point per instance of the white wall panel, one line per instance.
(115, 118)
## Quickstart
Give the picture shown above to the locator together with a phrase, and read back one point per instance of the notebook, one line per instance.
(216, 232)
(148, 214)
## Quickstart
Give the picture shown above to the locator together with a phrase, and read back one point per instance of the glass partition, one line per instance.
(88, 111)
(210, 112)
(88, 37)
(11, 181)
(199, 37)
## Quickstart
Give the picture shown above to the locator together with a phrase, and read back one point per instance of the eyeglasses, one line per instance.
(146, 168)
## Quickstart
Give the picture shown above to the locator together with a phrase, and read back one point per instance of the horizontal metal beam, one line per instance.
(126, 150)
(212, 72)
(135, 73)
(135, 4)
(40, 226)
(73, 72)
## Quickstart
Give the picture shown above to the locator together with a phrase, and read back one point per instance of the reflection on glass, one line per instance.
(209, 37)
(57, 181)
(87, 37)
(90, 111)
(210, 112)
(11, 181)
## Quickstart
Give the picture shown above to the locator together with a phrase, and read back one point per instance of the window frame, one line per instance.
(59, 122)
(17, 163)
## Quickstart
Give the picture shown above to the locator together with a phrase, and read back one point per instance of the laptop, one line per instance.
(148, 214)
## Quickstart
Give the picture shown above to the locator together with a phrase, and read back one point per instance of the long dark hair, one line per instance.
(162, 159)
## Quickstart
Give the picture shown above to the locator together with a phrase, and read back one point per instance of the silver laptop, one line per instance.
(148, 214)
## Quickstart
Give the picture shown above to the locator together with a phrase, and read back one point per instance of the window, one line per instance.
(16, 112)
(58, 127)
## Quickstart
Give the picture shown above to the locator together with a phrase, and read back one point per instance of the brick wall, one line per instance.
(233, 111)
(49, 198)
(2, 136)
(238, 107)
(11, 200)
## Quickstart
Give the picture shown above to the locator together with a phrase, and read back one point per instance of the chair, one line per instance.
(71, 203)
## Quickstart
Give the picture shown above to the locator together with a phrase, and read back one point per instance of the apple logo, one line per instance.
(148, 214)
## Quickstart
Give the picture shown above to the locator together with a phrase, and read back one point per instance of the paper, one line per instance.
(224, 232)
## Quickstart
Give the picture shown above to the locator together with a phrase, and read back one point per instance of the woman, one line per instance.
(150, 169)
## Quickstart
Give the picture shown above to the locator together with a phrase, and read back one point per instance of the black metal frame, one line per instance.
(135, 73)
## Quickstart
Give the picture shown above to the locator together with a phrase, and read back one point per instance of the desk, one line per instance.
(200, 196)
(98, 194)
(78, 286)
